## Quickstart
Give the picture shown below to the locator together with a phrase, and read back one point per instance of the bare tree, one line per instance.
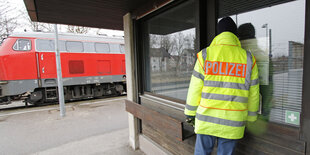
(167, 43)
(183, 43)
(174, 44)
(35, 26)
(77, 29)
(8, 20)
(153, 41)
(40, 27)
(179, 40)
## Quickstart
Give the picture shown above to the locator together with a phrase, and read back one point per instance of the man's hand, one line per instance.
(190, 120)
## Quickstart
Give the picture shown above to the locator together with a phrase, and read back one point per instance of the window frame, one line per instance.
(36, 43)
(91, 44)
(275, 128)
(22, 50)
(115, 45)
(305, 115)
(102, 43)
(66, 42)
(168, 103)
(59, 44)
(139, 28)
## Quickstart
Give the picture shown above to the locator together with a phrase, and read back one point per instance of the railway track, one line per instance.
(20, 105)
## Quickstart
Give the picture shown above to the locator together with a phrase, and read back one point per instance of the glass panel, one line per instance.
(275, 35)
(115, 48)
(169, 51)
(122, 47)
(102, 47)
(22, 45)
(62, 45)
(74, 46)
(89, 47)
(44, 45)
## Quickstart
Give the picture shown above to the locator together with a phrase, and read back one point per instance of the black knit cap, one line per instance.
(226, 24)
(246, 31)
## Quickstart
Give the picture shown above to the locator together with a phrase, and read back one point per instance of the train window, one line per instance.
(45, 45)
(74, 46)
(62, 45)
(22, 45)
(102, 47)
(115, 48)
(122, 47)
(89, 47)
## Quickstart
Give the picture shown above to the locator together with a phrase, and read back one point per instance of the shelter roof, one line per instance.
(92, 13)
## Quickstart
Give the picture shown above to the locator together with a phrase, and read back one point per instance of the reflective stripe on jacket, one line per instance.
(224, 89)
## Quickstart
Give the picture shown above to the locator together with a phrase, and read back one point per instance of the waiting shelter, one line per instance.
(162, 38)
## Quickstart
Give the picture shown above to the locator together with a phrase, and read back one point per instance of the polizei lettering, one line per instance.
(225, 68)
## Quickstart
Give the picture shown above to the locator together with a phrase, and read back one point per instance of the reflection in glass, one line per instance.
(275, 36)
(169, 51)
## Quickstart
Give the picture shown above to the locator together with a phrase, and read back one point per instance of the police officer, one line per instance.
(223, 92)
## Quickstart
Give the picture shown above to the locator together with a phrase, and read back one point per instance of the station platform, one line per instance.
(89, 127)
(113, 143)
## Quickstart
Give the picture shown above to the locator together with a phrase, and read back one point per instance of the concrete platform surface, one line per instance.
(90, 127)
(112, 143)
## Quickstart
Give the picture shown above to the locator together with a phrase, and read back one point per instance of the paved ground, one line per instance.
(90, 127)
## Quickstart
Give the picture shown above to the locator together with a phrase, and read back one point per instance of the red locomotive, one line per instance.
(92, 66)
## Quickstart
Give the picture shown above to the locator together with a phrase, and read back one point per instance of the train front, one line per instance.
(18, 74)
(4, 50)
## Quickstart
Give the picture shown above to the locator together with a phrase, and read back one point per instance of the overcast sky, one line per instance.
(19, 4)
(286, 21)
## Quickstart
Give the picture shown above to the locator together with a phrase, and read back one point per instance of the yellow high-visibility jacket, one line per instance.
(224, 89)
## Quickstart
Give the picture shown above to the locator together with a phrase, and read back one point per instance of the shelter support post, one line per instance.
(59, 76)
(131, 79)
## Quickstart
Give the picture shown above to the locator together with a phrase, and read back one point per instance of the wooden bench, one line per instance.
(160, 122)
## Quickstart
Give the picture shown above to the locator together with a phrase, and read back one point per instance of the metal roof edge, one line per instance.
(31, 9)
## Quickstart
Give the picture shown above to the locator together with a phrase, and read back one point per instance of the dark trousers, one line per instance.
(205, 143)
